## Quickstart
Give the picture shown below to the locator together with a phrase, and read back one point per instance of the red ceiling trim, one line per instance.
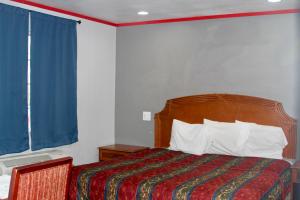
(233, 15)
(160, 21)
(38, 5)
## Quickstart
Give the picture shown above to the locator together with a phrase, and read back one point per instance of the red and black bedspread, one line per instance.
(165, 174)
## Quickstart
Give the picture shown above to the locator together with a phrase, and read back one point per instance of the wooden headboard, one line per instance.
(227, 108)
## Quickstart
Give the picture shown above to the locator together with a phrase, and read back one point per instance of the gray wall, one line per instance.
(255, 56)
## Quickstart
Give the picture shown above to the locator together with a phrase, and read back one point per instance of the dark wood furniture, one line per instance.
(295, 179)
(117, 150)
(296, 171)
(48, 180)
(228, 108)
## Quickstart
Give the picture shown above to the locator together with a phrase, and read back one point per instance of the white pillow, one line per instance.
(188, 138)
(217, 123)
(227, 138)
(264, 141)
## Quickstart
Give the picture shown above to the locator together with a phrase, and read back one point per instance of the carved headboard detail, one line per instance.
(228, 108)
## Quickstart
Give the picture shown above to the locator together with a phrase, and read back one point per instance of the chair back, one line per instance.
(47, 180)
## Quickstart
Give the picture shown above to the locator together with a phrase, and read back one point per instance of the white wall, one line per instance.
(96, 87)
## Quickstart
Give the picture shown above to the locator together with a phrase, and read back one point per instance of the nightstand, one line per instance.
(117, 150)
(295, 179)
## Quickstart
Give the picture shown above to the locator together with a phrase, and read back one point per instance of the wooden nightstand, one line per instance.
(117, 150)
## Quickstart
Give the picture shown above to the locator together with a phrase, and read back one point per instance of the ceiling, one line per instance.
(124, 11)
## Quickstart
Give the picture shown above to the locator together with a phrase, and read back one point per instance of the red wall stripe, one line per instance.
(233, 15)
(159, 21)
(38, 5)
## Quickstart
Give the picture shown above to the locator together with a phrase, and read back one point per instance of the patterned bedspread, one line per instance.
(164, 174)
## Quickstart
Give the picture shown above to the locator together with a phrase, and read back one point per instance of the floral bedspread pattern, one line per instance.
(165, 174)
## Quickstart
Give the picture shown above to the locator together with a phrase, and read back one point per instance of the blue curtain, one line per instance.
(53, 81)
(13, 79)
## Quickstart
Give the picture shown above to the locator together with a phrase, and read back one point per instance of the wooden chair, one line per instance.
(42, 181)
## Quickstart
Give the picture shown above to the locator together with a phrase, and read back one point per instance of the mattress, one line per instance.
(165, 174)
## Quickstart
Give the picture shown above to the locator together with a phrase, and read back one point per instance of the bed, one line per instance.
(160, 173)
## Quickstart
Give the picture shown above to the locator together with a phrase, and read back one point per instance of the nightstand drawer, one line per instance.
(108, 155)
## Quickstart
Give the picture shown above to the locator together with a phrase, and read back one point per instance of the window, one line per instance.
(38, 80)
(28, 81)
